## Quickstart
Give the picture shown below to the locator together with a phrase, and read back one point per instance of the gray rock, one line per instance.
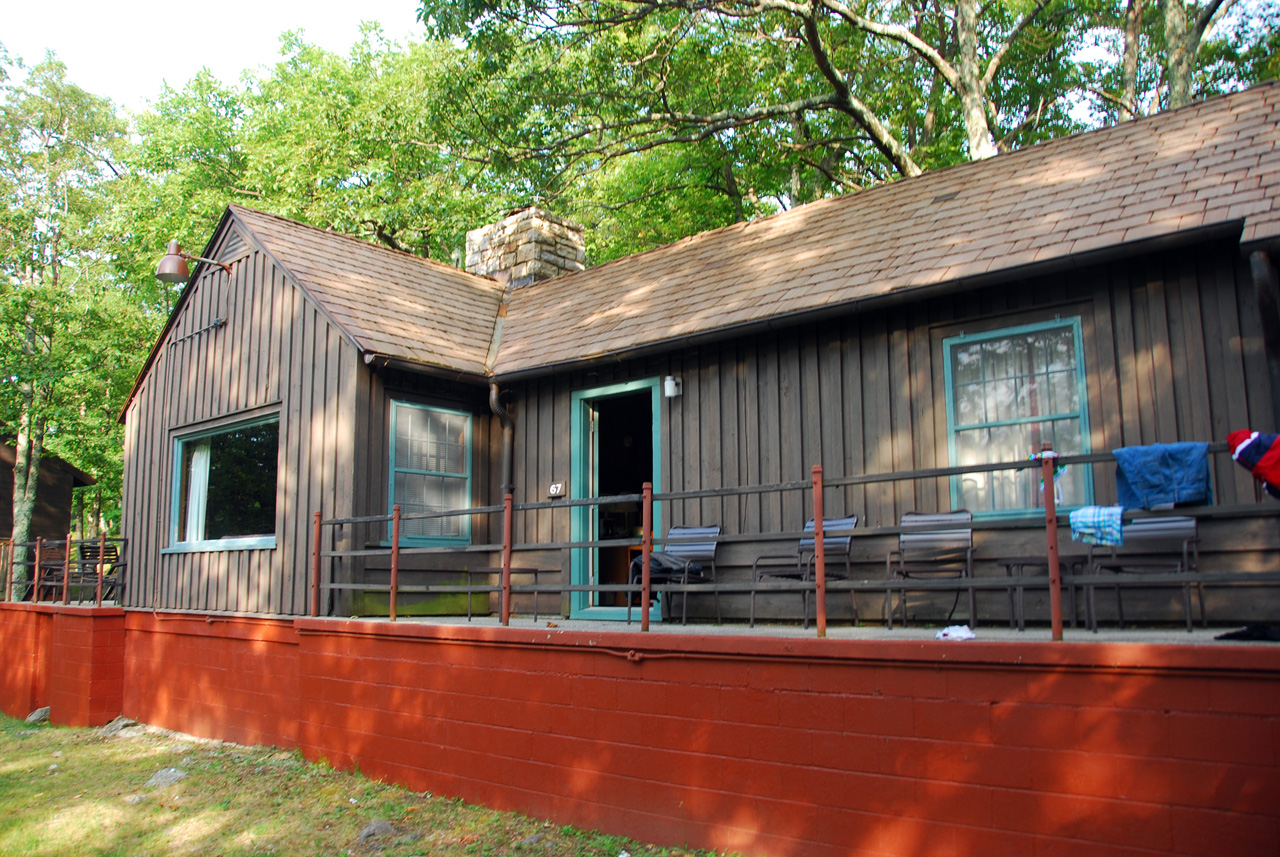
(113, 728)
(529, 840)
(166, 777)
(377, 827)
(134, 800)
(40, 715)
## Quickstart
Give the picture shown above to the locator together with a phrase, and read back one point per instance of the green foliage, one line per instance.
(68, 331)
(646, 121)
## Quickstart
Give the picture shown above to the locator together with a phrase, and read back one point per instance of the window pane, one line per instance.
(227, 484)
(430, 468)
(430, 441)
(242, 482)
(417, 493)
(1003, 388)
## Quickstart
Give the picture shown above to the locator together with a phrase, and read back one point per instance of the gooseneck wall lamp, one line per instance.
(173, 267)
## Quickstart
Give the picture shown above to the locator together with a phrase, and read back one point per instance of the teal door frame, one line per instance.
(583, 485)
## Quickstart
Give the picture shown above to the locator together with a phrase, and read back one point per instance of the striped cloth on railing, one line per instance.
(1098, 525)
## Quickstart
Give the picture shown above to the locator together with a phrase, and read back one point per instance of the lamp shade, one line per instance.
(173, 267)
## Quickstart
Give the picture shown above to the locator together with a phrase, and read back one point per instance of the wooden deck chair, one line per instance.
(1153, 546)
(53, 569)
(688, 554)
(87, 570)
(836, 544)
(931, 545)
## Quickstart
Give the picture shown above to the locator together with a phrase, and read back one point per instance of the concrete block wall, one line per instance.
(764, 746)
(233, 678)
(86, 665)
(25, 631)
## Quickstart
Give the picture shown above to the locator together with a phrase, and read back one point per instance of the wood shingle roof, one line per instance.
(391, 303)
(1212, 163)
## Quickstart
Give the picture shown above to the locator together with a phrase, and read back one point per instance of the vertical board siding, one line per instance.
(863, 394)
(859, 394)
(275, 348)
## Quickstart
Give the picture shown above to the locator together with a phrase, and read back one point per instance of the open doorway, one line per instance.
(615, 452)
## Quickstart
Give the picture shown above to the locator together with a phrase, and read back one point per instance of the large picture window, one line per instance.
(1008, 391)
(225, 487)
(431, 471)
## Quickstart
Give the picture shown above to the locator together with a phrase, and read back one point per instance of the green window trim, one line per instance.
(430, 455)
(985, 410)
(200, 488)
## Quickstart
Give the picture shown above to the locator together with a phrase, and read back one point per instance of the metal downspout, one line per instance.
(495, 401)
(1267, 291)
(508, 436)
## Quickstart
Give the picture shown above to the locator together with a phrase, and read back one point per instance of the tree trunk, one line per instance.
(26, 468)
(1129, 62)
(973, 104)
(1178, 60)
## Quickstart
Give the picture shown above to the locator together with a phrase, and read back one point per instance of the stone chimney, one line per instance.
(525, 248)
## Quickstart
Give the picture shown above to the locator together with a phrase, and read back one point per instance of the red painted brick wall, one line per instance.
(24, 634)
(85, 665)
(765, 746)
(807, 747)
(217, 677)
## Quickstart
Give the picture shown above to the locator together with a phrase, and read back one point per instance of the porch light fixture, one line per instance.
(672, 386)
(173, 267)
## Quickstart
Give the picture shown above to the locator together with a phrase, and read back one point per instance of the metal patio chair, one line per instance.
(689, 553)
(931, 545)
(799, 565)
(1156, 545)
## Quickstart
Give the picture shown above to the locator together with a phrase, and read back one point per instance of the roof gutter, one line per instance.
(378, 360)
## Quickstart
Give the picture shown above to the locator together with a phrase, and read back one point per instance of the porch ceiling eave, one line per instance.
(377, 359)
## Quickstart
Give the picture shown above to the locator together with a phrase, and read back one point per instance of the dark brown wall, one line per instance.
(1173, 352)
(277, 351)
(1172, 349)
(52, 516)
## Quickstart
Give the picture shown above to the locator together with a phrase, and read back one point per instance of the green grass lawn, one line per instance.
(75, 792)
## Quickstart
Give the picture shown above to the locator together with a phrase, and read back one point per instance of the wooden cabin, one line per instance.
(1111, 289)
(51, 518)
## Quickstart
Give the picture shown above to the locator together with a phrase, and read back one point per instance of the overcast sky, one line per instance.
(113, 49)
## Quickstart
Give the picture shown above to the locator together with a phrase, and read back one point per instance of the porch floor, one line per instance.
(1169, 635)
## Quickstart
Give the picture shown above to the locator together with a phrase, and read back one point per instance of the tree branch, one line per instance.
(891, 31)
(881, 136)
(998, 56)
(1210, 15)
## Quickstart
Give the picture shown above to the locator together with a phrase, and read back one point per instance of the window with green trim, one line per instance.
(224, 493)
(431, 471)
(1008, 391)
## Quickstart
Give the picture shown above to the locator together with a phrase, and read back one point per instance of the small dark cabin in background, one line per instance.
(52, 516)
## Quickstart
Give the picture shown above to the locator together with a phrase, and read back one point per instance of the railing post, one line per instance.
(315, 564)
(395, 558)
(646, 549)
(35, 574)
(101, 565)
(6, 559)
(66, 570)
(819, 554)
(1047, 460)
(504, 609)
